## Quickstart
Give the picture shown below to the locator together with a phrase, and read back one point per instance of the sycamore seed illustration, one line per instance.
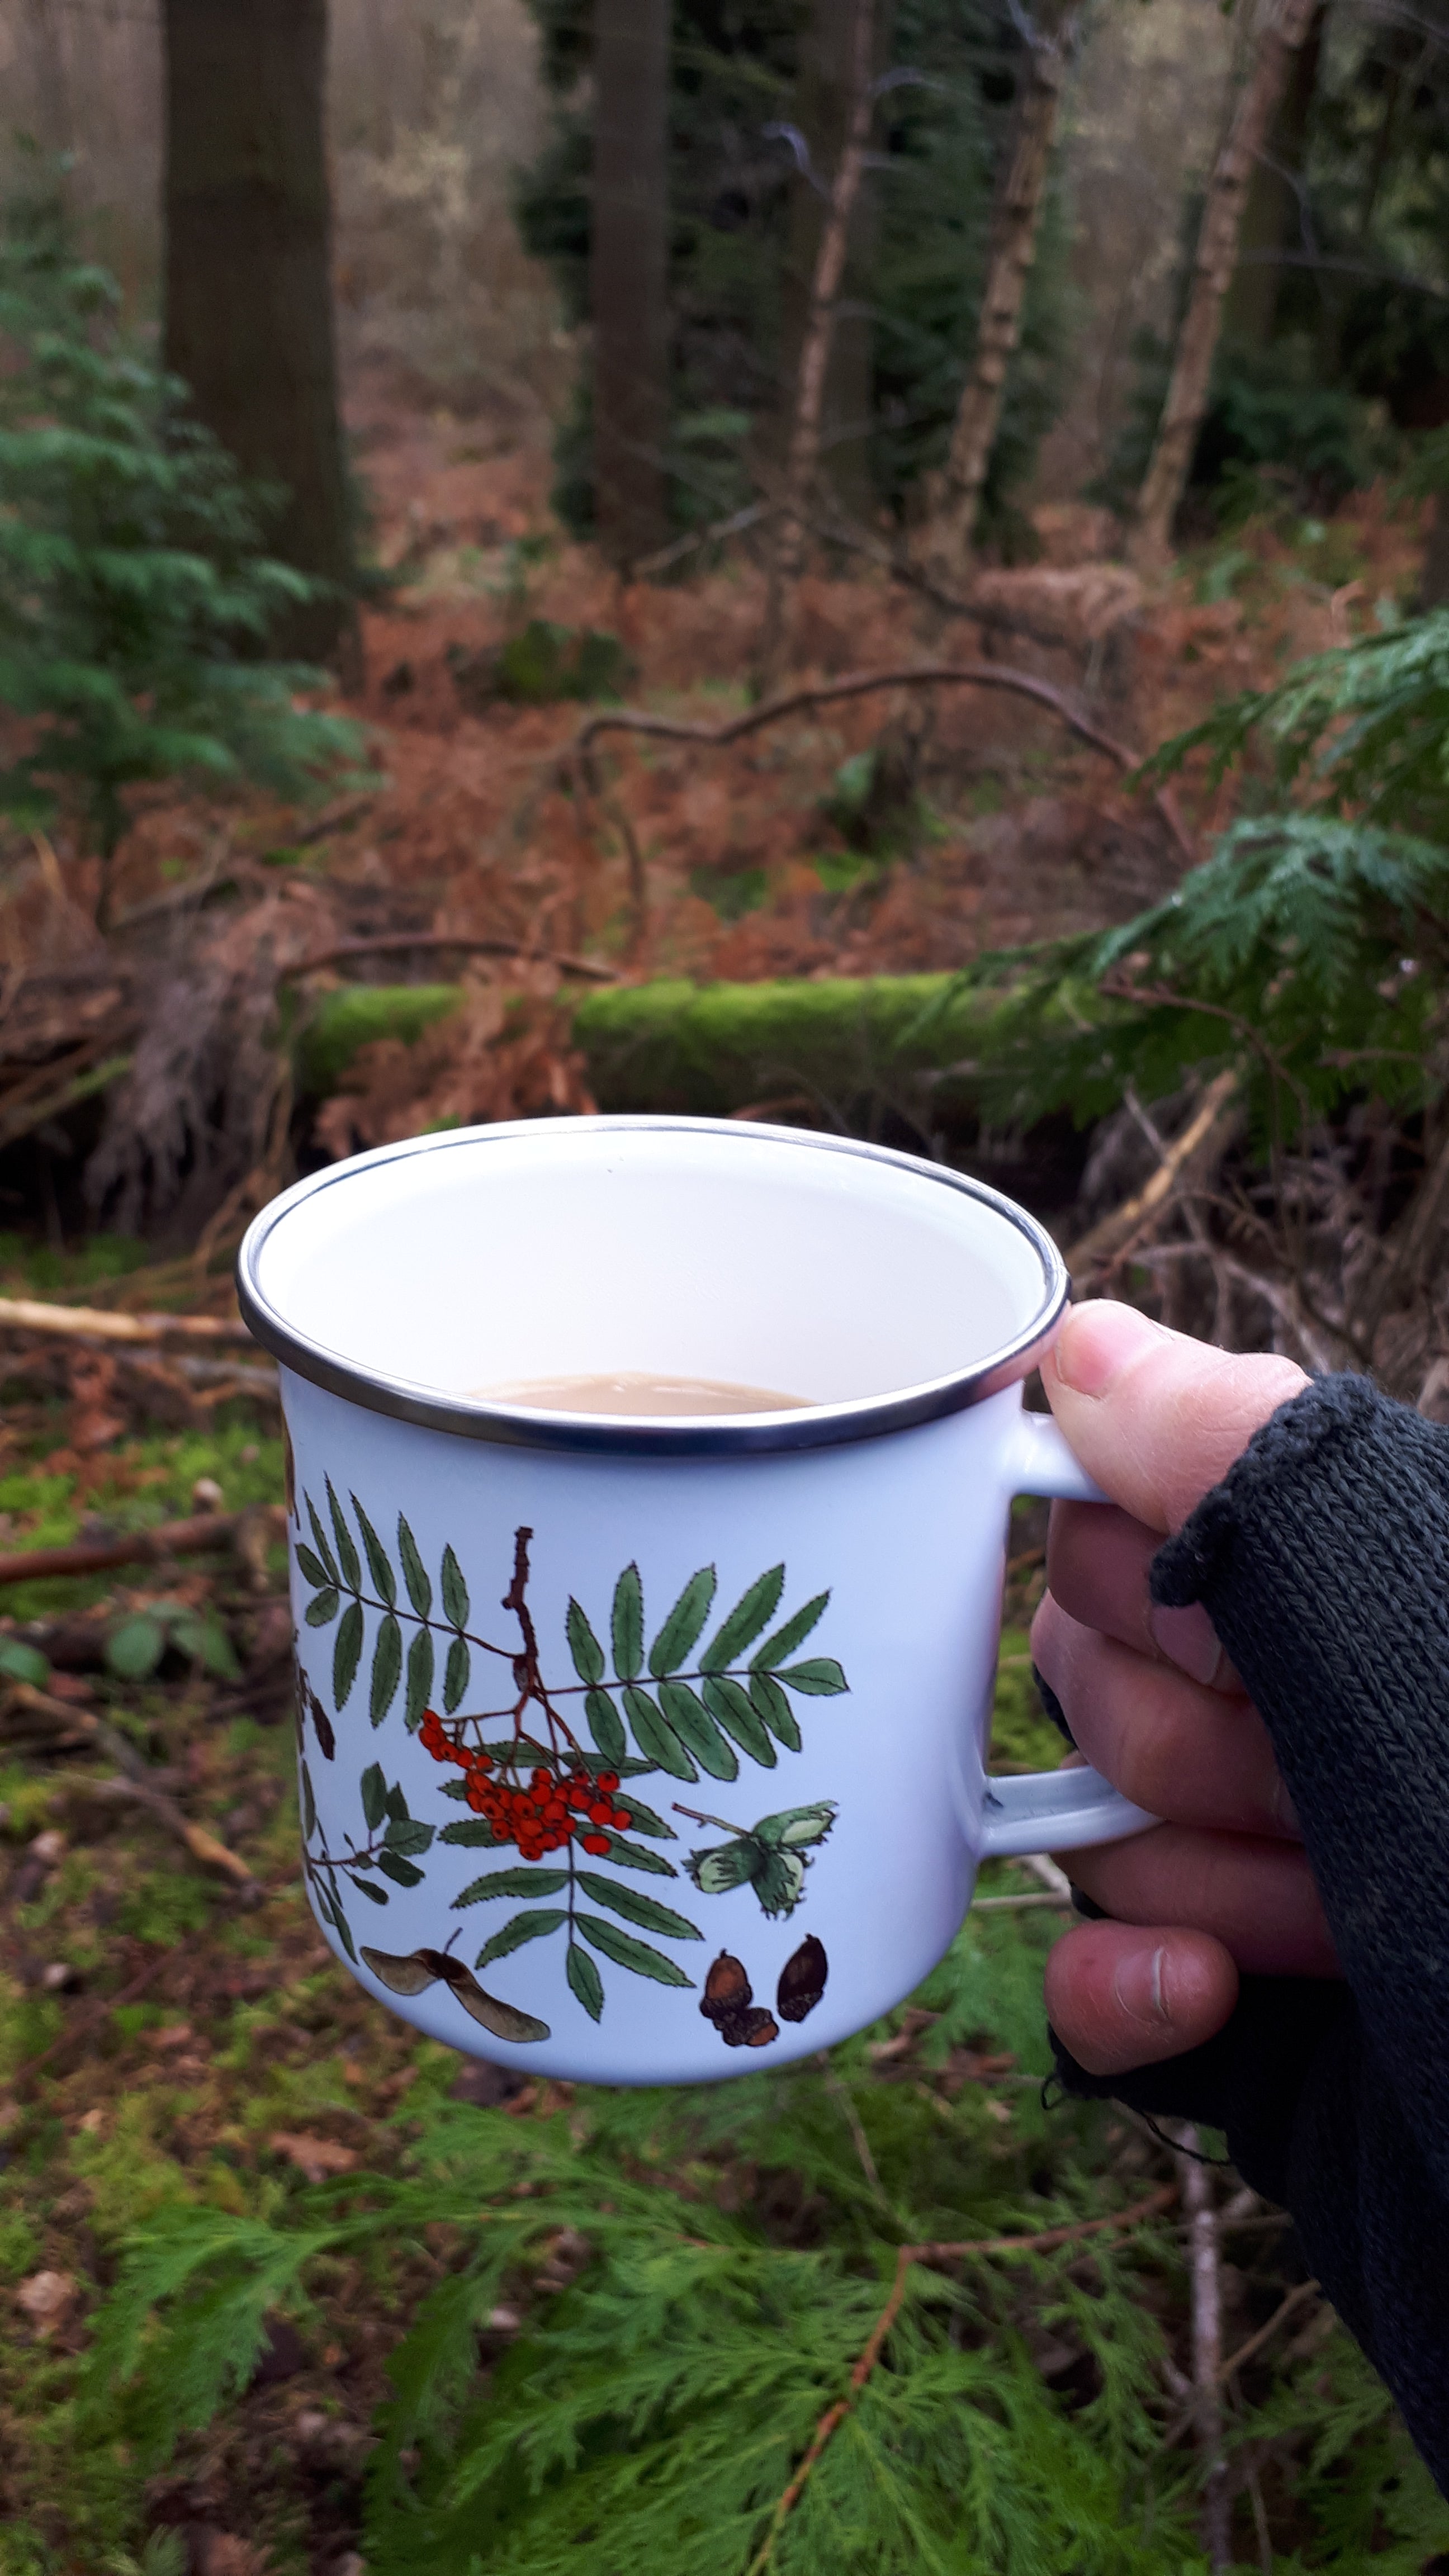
(771, 1856)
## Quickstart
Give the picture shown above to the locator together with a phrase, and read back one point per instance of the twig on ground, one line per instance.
(1249, 2351)
(1110, 1239)
(1042, 1866)
(1207, 2351)
(135, 1781)
(103, 1324)
(142, 1547)
(980, 2247)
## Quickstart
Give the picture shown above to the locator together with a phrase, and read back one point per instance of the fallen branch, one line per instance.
(855, 684)
(1046, 2242)
(102, 1324)
(386, 944)
(1115, 1232)
(135, 1782)
(141, 1547)
(1285, 2309)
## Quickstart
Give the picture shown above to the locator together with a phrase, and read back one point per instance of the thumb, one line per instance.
(1157, 1418)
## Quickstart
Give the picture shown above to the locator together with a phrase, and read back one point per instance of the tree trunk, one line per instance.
(822, 113)
(1009, 258)
(248, 277)
(803, 459)
(629, 276)
(1273, 214)
(1285, 29)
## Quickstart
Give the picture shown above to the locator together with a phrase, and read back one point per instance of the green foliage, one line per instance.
(1272, 430)
(137, 1646)
(543, 663)
(135, 598)
(1311, 950)
(737, 106)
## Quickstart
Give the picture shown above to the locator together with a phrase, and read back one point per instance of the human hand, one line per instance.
(1223, 1883)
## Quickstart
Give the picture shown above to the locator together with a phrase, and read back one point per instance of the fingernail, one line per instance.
(1097, 1342)
(1188, 1639)
(1138, 1985)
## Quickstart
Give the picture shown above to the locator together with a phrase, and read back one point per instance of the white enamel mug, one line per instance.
(650, 1751)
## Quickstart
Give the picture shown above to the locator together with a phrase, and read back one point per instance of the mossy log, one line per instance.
(704, 1049)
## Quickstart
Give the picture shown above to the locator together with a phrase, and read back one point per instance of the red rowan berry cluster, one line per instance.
(544, 1816)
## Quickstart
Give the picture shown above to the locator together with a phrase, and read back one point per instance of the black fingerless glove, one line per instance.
(1323, 1562)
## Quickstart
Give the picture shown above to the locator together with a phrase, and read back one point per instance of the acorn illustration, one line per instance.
(802, 1980)
(729, 2002)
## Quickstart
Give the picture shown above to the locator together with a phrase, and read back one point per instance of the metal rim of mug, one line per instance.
(523, 1427)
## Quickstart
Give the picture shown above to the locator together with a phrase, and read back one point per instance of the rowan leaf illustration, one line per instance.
(535, 1925)
(627, 1855)
(455, 1673)
(745, 1621)
(654, 1735)
(322, 1609)
(627, 1624)
(587, 1653)
(346, 1654)
(324, 1549)
(605, 1725)
(386, 1669)
(455, 1591)
(793, 1634)
(421, 1666)
(347, 1556)
(638, 1956)
(646, 1911)
(681, 1630)
(643, 1820)
(512, 1882)
(820, 1676)
(379, 1565)
(697, 1730)
(585, 1981)
(730, 1705)
(313, 1569)
(772, 1707)
(415, 1573)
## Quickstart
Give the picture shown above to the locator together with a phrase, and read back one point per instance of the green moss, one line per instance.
(704, 1049)
(165, 1905)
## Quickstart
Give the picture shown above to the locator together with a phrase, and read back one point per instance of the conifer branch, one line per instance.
(1046, 2242)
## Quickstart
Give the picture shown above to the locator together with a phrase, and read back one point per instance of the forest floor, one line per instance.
(170, 2038)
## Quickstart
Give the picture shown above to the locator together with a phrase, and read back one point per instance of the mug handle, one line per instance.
(1053, 1810)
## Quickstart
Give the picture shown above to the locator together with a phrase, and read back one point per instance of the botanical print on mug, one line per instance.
(568, 1807)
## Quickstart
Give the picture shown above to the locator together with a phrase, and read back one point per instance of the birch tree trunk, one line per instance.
(248, 277)
(1008, 266)
(803, 456)
(628, 276)
(1285, 28)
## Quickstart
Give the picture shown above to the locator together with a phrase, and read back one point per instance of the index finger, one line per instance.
(1157, 1419)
